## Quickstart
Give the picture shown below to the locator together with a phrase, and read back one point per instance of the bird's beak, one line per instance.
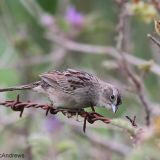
(114, 108)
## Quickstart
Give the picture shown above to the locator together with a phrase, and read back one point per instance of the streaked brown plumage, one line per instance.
(73, 89)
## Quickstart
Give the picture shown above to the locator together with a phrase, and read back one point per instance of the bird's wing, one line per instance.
(69, 80)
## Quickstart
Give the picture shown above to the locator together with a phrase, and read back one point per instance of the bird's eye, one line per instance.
(112, 97)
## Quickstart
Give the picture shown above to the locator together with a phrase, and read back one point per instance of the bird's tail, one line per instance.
(22, 87)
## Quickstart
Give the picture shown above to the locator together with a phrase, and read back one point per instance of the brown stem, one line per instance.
(154, 40)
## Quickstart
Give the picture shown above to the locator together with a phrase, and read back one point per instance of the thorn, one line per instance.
(54, 111)
(84, 124)
(17, 99)
(13, 105)
(48, 109)
(133, 122)
(21, 112)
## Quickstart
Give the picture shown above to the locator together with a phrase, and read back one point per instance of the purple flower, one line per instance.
(75, 18)
(51, 124)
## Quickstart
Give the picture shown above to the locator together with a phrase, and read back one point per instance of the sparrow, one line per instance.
(74, 90)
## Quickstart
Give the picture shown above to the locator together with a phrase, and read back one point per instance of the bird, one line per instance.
(73, 89)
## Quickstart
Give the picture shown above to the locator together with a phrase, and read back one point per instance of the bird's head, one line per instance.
(110, 96)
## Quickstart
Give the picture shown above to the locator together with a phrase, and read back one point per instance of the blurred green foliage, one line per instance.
(24, 37)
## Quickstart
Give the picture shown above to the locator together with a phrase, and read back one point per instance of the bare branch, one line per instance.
(154, 40)
(101, 50)
(120, 45)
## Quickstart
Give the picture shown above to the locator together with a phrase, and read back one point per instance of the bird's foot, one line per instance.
(77, 114)
(73, 112)
(51, 109)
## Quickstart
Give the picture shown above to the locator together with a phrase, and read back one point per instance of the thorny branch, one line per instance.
(132, 120)
(58, 37)
(90, 117)
(129, 73)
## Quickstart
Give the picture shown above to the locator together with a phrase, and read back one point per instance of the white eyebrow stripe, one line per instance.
(114, 92)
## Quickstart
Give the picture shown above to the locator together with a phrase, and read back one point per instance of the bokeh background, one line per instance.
(107, 38)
